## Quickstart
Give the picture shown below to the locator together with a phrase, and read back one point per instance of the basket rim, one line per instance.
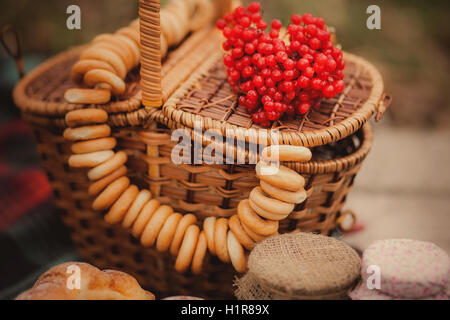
(307, 139)
(48, 108)
(313, 167)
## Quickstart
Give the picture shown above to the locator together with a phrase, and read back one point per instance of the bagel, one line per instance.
(294, 197)
(108, 196)
(107, 167)
(284, 178)
(187, 249)
(269, 204)
(220, 239)
(236, 252)
(154, 225)
(199, 254)
(254, 222)
(120, 207)
(87, 96)
(287, 153)
(139, 202)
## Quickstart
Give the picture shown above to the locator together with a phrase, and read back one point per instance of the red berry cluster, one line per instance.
(274, 78)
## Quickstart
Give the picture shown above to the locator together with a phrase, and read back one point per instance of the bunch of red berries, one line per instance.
(274, 78)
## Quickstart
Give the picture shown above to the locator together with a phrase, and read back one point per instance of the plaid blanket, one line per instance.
(32, 236)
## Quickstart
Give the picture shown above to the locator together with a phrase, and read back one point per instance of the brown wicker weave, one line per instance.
(204, 190)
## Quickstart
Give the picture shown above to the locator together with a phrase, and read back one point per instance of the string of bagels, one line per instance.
(156, 224)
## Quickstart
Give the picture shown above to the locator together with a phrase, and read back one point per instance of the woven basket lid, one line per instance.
(40, 94)
(207, 100)
(304, 265)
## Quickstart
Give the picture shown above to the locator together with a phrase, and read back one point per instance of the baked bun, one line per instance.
(95, 285)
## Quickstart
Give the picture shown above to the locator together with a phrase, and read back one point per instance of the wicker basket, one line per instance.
(340, 143)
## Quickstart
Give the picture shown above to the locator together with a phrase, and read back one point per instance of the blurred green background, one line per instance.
(410, 50)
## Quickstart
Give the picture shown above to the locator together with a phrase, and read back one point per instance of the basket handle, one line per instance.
(15, 54)
(383, 105)
(150, 37)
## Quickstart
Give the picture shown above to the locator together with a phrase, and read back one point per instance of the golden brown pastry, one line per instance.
(94, 285)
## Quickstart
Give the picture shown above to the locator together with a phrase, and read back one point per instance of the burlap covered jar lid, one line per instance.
(299, 266)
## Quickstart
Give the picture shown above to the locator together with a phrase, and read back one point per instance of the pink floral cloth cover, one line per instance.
(363, 293)
(408, 268)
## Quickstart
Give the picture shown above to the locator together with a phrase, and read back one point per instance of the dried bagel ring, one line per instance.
(254, 222)
(87, 96)
(236, 252)
(208, 226)
(154, 225)
(204, 13)
(133, 47)
(141, 199)
(117, 46)
(107, 167)
(99, 185)
(256, 237)
(287, 153)
(125, 56)
(144, 216)
(283, 195)
(106, 55)
(266, 214)
(91, 159)
(164, 46)
(270, 204)
(88, 146)
(110, 194)
(167, 232)
(199, 254)
(167, 27)
(185, 222)
(95, 76)
(82, 66)
(239, 233)
(120, 207)
(135, 24)
(284, 178)
(187, 249)
(131, 33)
(220, 239)
(179, 10)
(87, 132)
(87, 116)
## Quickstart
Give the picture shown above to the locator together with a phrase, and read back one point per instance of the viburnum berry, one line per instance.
(262, 25)
(220, 24)
(304, 107)
(308, 72)
(274, 34)
(249, 48)
(328, 91)
(296, 19)
(252, 95)
(262, 90)
(254, 7)
(273, 78)
(276, 24)
(339, 86)
(277, 75)
(258, 81)
(245, 22)
(256, 17)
